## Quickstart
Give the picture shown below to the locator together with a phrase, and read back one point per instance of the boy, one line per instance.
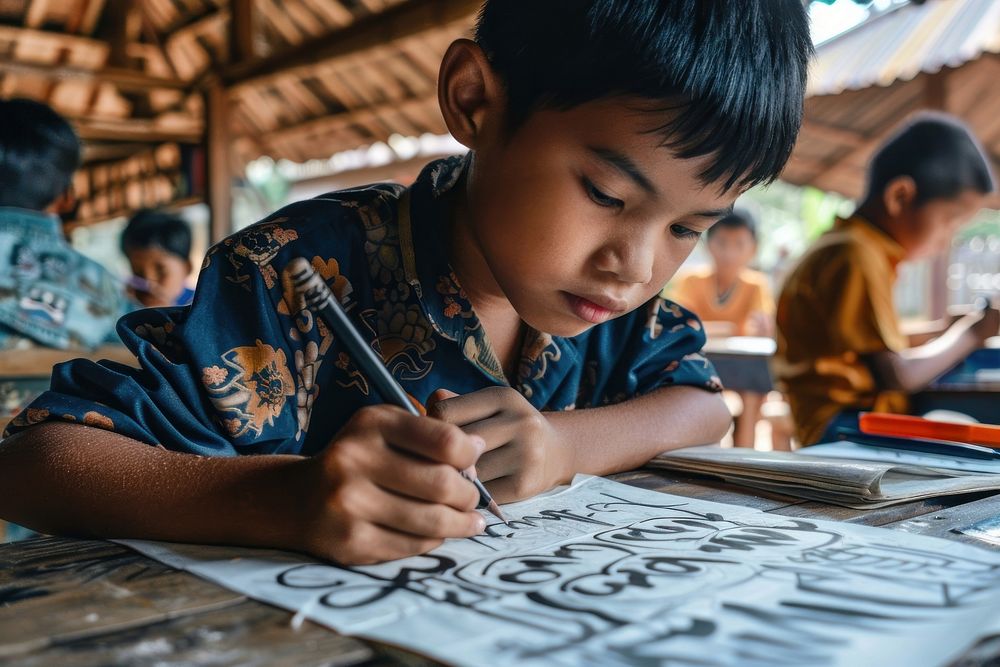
(732, 300)
(604, 137)
(840, 347)
(50, 295)
(158, 247)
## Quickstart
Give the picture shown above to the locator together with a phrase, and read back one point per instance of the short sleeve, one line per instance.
(219, 377)
(658, 345)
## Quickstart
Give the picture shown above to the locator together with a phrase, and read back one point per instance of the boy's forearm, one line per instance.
(75, 480)
(627, 435)
(913, 369)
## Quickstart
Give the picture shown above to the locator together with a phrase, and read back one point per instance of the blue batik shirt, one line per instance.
(248, 369)
(50, 294)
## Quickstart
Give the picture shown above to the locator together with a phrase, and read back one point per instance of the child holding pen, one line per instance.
(841, 348)
(605, 137)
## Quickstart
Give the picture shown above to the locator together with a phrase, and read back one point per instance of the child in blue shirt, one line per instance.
(513, 292)
(157, 245)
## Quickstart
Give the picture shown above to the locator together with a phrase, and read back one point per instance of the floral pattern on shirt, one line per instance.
(247, 368)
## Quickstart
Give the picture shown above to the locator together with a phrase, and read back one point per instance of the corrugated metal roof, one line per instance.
(905, 41)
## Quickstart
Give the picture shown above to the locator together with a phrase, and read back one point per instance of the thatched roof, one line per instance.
(941, 55)
(293, 79)
(173, 97)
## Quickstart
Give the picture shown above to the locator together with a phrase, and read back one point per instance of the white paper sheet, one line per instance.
(607, 574)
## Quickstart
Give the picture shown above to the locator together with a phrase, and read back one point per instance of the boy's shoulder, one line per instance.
(847, 244)
(755, 278)
(339, 212)
(696, 275)
(334, 224)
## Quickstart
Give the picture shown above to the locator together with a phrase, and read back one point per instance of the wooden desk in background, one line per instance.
(38, 361)
(91, 603)
(742, 362)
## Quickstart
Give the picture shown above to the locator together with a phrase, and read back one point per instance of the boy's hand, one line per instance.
(388, 487)
(987, 323)
(524, 453)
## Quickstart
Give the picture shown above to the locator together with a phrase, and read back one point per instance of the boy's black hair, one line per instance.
(149, 228)
(727, 77)
(735, 220)
(39, 152)
(938, 152)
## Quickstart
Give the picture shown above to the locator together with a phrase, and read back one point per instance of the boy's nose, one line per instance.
(631, 261)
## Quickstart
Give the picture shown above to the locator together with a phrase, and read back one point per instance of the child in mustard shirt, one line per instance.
(604, 136)
(840, 346)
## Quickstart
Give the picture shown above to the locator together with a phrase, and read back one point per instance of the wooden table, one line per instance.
(89, 603)
(742, 362)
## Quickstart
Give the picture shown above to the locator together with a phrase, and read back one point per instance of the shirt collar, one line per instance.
(424, 215)
(876, 235)
(43, 223)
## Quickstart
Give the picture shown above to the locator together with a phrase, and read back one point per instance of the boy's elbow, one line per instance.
(718, 419)
(890, 373)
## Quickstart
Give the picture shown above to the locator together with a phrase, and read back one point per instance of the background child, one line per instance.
(732, 300)
(158, 247)
(840, 346)
(524, 277)
(50, 295)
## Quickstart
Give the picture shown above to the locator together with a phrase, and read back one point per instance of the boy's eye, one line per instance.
(682, 232)
(600, 198)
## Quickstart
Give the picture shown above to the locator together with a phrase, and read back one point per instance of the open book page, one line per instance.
(606, 574)
(855, 483)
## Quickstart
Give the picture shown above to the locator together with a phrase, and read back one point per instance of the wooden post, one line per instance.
(936, 99)
(241, 31)
(219, 177)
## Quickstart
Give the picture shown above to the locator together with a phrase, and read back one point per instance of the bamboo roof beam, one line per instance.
(396, 23)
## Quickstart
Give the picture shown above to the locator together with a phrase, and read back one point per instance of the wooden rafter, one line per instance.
(335, 122)
(100, 129)
(125, 79)
(55, 39)
(398, 22)
(833, 134)
(150, 31)
(37, 10)
(87, 18)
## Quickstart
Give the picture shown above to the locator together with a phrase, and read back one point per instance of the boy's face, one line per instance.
(581, 216)
(929, 227)
(165, 271)
(732, 249)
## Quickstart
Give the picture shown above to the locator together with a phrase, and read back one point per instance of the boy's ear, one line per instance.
(898, 195)
(64, 204)
(469, 92)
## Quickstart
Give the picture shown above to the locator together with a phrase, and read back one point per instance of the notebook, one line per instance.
(854, 483)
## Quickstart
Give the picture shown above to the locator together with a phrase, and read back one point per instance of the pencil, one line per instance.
(320, 299)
